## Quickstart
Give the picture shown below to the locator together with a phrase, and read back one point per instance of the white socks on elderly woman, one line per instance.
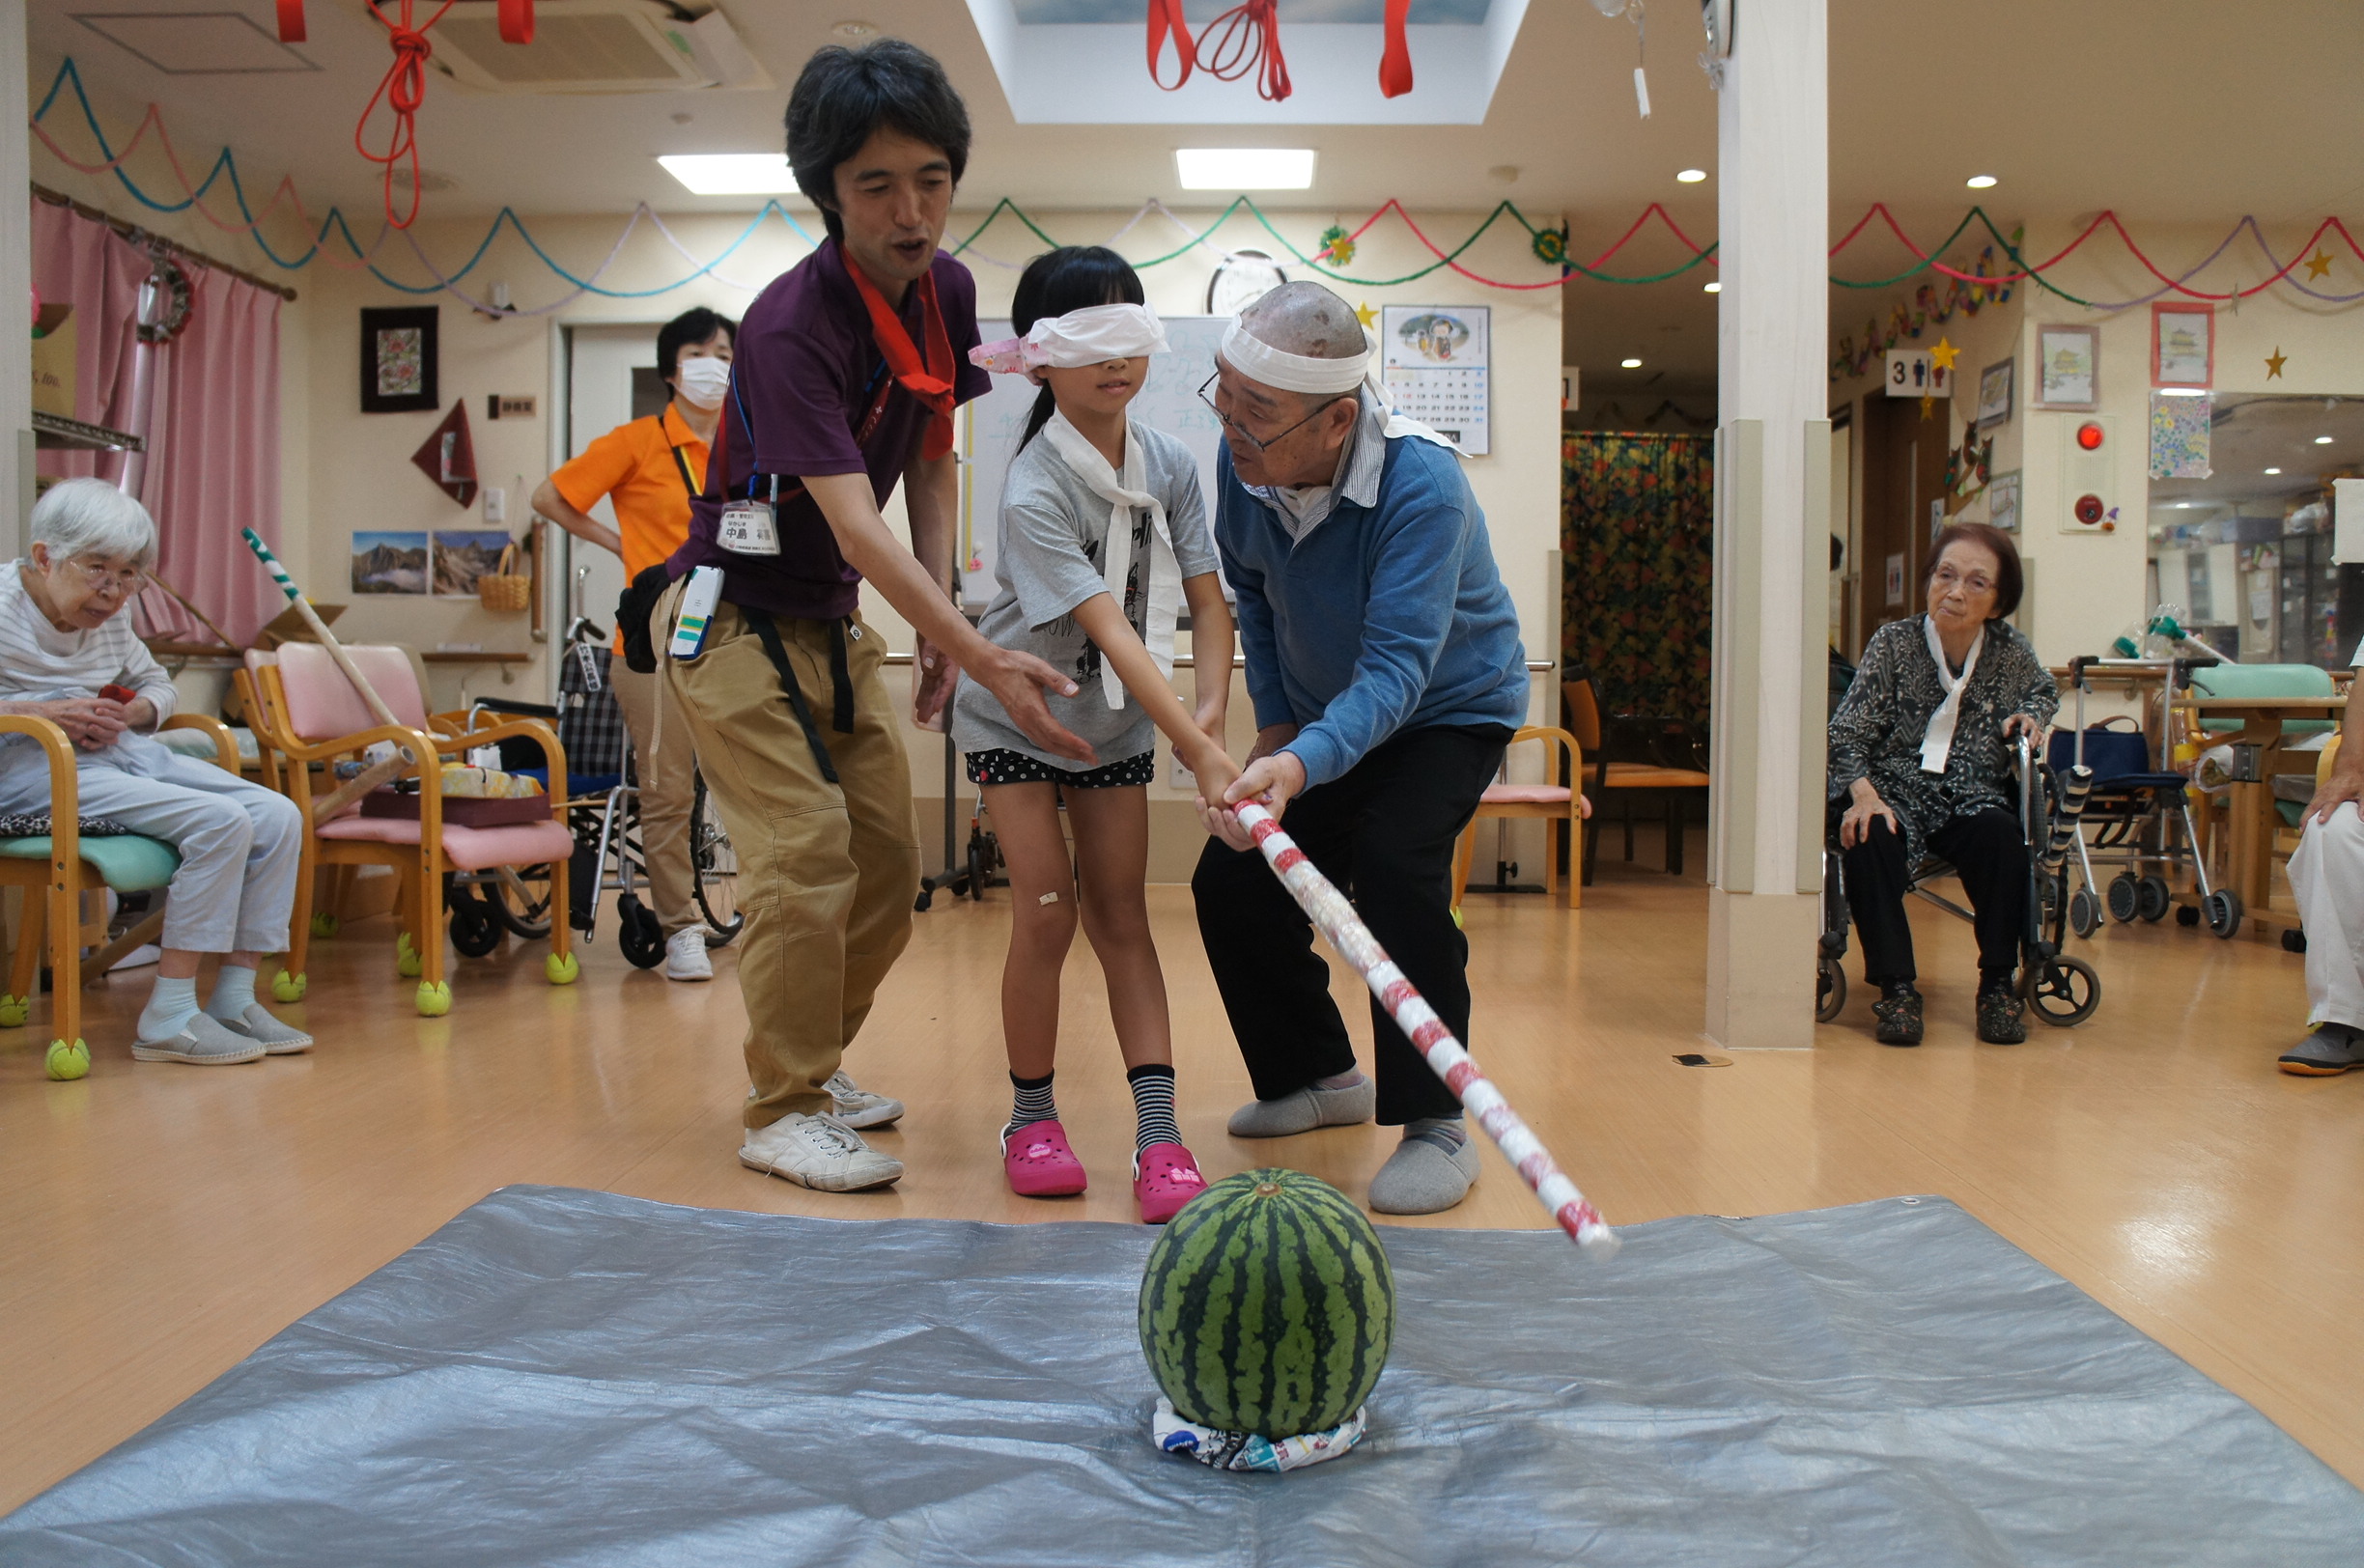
(174, 1002)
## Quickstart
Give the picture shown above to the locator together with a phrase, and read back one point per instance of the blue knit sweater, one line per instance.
(1383, 618)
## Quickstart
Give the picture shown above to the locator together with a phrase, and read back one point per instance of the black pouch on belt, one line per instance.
(635, 607)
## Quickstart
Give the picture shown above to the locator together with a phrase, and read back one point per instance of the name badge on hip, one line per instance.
(747, 528)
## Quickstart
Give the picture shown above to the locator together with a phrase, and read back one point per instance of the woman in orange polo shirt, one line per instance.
(649, 470)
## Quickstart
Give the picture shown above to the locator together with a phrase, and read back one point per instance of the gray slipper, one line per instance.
(276, 1037)
(1309, 1108)
(1424, 1177)
(203, 1043)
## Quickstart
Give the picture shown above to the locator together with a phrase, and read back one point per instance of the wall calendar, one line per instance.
(1433, 361)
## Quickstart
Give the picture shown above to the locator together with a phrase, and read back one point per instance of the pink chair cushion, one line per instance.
(1523, 795)
(469, 849)
(321, 703)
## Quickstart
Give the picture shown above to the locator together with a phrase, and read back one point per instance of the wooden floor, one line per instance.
(163, 1221)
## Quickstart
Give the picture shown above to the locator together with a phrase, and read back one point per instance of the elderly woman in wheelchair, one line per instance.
(67, 654)
(1919, 756)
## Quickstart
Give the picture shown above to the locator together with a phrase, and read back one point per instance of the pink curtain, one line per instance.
(213, 442)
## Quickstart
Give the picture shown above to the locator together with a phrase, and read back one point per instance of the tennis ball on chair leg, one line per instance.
(66, 1062)
(289, 988)
(561, 971)
(323, 925)
(434, 998)
(14, 1011)
(406, 960)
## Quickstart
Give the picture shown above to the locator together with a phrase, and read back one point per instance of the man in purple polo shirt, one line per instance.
(848, 368)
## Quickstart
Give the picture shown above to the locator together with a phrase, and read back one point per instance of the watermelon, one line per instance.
(1268, 1307)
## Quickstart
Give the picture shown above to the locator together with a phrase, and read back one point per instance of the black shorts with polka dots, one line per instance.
(1002, 765)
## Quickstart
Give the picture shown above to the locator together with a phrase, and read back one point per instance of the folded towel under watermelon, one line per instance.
(1245, 1450)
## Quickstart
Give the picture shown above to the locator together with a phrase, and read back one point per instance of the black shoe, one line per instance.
(1898, 1013)
(2002, 1018)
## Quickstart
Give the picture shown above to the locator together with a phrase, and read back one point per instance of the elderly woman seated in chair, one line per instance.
(68, 654)
(1919, 754)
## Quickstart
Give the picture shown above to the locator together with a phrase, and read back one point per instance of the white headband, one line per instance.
(1259, 361)
(1090, 336)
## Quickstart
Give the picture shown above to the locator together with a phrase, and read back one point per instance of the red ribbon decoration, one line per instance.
(1396, 64)
(291, 21)
(1166, 20)
(517, 21)
(931, 382)
(1247, 37)
(403, 89)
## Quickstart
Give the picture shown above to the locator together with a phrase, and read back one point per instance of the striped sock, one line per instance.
(1153, 1112)
(1031, 1102)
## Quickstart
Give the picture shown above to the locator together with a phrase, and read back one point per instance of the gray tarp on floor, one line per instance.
(567, 1377)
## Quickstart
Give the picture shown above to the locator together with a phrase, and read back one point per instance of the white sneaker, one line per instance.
(819, 1152)
(686, 956)
(857, 1107)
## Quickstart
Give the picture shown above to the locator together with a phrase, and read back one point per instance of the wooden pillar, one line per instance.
(1772, 483)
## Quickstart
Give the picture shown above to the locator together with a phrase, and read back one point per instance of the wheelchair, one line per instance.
(603, 813)
(2061, 990)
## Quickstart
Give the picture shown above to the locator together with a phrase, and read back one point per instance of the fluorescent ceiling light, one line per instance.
(1244, 168)
(1691, 177)
(1711, 288)
(1981, 181)
(732, 174)
(1629, 364)
(2322, 440)
(2273, 470)
(2182, 392)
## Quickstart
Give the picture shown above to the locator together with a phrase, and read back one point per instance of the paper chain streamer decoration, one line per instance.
(1247, 39)
(1965, 286)
(1336, 917)
(404, 87)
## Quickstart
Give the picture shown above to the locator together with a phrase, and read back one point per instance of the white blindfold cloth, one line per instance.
(1937, 740)
(1259, 361)
(1091, 336)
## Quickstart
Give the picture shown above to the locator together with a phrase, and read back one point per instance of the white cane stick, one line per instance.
(1337, 919)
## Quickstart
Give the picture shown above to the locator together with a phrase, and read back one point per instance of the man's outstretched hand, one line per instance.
(1018, 682)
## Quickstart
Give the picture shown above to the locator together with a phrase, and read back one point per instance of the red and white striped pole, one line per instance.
(1337, 920)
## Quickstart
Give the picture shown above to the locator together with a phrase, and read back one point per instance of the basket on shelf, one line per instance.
(503, 591)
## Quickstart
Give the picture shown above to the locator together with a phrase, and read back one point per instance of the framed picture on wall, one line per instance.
(398, 360)
(2184, 347)
(2003, 501)
(1994, 404)
(2068, 368)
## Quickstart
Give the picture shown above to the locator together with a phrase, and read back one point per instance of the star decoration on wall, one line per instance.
(1928, 407)
(2274, 362)
(1944, 355)
(2318, 264)
(1366, 315)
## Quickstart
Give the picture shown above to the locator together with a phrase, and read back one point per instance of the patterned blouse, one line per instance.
(1877, 731)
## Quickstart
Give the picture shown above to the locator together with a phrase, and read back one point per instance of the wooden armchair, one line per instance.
(306, 709)
(1594, 733)
(57, 868)
(1560, 804)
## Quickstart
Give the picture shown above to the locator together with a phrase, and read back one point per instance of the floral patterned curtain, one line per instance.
(1637, 537)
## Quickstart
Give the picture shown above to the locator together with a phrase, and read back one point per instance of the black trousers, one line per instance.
(1384, 832)
(1984, 848)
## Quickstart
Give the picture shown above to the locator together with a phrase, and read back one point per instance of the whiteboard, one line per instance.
(991, 425)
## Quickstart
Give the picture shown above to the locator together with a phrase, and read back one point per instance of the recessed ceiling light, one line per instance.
(731, 173)
(2322, 440)
(1630, 364)
(1244, 168)
(1691, 177)
(2273, 470)
(1981, 181)
(855, 29)
(1711, 288)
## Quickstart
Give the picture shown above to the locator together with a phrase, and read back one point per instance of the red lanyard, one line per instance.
(931, 382)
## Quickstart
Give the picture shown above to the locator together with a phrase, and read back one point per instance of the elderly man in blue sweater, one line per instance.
(1384, 662)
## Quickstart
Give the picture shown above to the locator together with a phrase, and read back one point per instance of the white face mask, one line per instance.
(703, 382)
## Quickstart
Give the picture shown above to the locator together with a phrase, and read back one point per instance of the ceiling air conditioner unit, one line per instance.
(597, 46)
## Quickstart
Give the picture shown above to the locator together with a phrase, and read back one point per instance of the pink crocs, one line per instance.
(1039, 1164)
(1164, 1177)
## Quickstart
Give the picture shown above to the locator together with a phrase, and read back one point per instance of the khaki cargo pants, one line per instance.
(827, 872)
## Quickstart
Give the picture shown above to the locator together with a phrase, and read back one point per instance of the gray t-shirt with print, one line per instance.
(1053, 532)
